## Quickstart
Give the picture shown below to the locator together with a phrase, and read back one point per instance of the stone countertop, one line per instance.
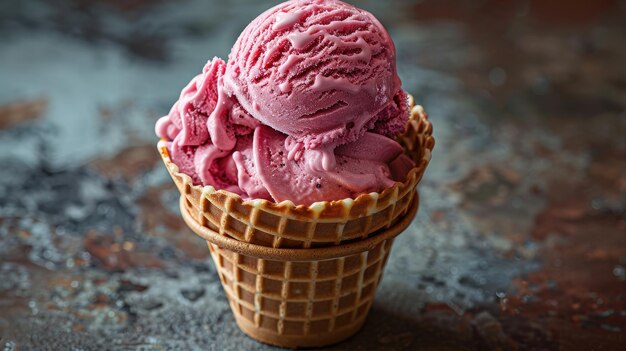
(520, 242)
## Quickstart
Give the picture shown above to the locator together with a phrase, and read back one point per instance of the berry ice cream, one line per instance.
(305, 110)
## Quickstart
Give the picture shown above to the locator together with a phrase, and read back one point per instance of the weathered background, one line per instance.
(520, 242)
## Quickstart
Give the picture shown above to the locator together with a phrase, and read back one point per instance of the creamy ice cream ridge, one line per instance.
(306, 109)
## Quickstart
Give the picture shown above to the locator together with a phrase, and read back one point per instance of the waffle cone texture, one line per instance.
(300, 297)
(322, 224)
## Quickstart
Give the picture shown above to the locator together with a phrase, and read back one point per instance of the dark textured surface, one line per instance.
(520, 242)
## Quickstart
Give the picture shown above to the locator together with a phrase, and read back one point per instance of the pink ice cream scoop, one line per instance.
(306, 109)
(322, 72)
(204, 126)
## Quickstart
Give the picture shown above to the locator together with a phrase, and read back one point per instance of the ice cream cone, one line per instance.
(300, 297)
(322, 224)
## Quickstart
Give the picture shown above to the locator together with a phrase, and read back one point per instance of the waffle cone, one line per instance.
(322, 224)
(300, 298)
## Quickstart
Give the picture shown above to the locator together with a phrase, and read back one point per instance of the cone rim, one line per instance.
(299, 255)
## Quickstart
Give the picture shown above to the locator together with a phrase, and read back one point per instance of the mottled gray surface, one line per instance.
(520, 241)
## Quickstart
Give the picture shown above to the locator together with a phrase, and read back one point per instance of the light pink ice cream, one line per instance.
(305, 110)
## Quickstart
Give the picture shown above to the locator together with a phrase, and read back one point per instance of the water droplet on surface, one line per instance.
(192, 294)
(151, 340)
(619, 272)
(10, 346)
(596, 204)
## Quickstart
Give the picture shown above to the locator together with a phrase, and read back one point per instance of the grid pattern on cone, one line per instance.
(285, 225)
(301, 298)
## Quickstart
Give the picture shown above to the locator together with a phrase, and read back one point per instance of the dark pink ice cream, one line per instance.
(204, 127)
(305, 110)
